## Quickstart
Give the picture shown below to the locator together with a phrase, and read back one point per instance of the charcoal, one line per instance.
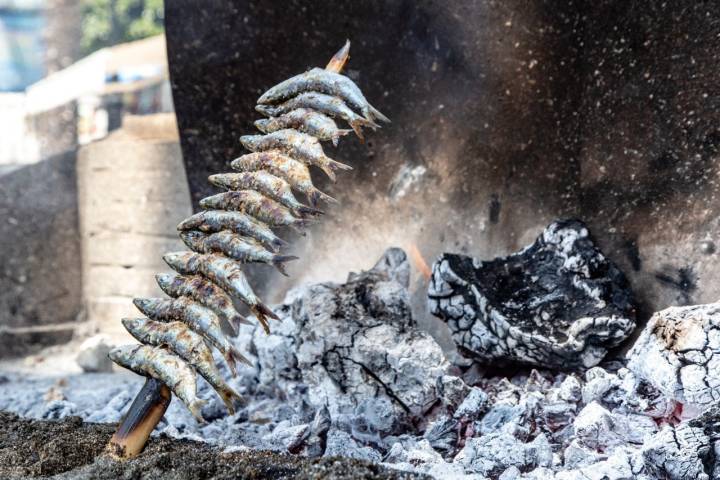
(341, 444)
(442, 435)
(558, 303)
(602, 430)
(678, 453)
(358, 340)
(677, 354)
(473, 406)
(451, 390)
(490, 455)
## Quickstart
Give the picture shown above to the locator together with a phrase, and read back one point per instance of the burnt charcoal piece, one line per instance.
(677, 353)
(558, 303)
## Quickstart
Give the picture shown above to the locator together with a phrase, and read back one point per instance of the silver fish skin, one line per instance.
(304, 120)
(234, 246)
(217, 220)
(294, 172)
(258, 206)
(202, 320)
(188, 345)
(164, 366)
(269, 185)
(329, 105)
(205, 293)
(226, 274)
(298, 145)
(323, 81)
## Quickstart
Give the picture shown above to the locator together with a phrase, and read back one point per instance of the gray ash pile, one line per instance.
(346, 372)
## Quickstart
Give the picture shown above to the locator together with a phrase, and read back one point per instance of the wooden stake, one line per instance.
(337, 62)
(145, 412)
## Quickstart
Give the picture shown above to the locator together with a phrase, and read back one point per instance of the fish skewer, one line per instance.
(226, 274)
(294, 172)
(235, 228)
(200, 319)
(234, 246)
(297, 145)
(304, 120)
(320, 102)
(269, 185)
(188, 345)
(205, 293)
(217, 220)
(162, 365)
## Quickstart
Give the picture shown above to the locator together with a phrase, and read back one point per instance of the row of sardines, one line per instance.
(235, 227)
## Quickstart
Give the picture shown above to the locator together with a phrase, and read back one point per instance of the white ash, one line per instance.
(679, 353)
(608, 423)
(558, 303)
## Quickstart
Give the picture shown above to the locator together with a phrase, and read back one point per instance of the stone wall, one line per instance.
(133, 192)
(40, 270)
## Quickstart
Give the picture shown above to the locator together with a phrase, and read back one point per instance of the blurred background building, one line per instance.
(80, 195)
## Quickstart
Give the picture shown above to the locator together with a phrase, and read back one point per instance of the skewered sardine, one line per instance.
(333, 106)
(188, 345)
(264, 182)
(297, 145)
(223, 272)
(217, 220)
(324, 81)
(202, 320)
(234, 246)
(168, 368)
(304, 120)
(205, 293)
(257, 205)
(294, 172)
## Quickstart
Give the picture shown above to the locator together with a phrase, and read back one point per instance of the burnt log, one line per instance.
(558, 303)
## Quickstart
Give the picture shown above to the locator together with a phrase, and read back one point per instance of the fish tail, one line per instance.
(329, 166)
(375, 113)
(227, 395)
(235, 320)
(339, 133)
(327, 170)
(316, 195)
(195, 408)
(261, 312)
(303, 211)
(357, 128)
(278, 243)
(235, 356)
(279, 260)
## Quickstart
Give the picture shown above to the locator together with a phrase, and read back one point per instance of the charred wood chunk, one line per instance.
(677, 353)
(558, 303)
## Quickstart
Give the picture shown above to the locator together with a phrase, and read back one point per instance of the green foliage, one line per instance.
(109, 22)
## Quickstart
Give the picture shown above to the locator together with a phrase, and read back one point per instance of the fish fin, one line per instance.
(279, 260)
(316, 195)
(278, 243)
(302, 211)
(234, 355)
(357, 128)
(195, 408)
(329, 166)
(337, 62)
(339, 133)
(375, 113)
(261, 312)
(227, 395)
(237, 320)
